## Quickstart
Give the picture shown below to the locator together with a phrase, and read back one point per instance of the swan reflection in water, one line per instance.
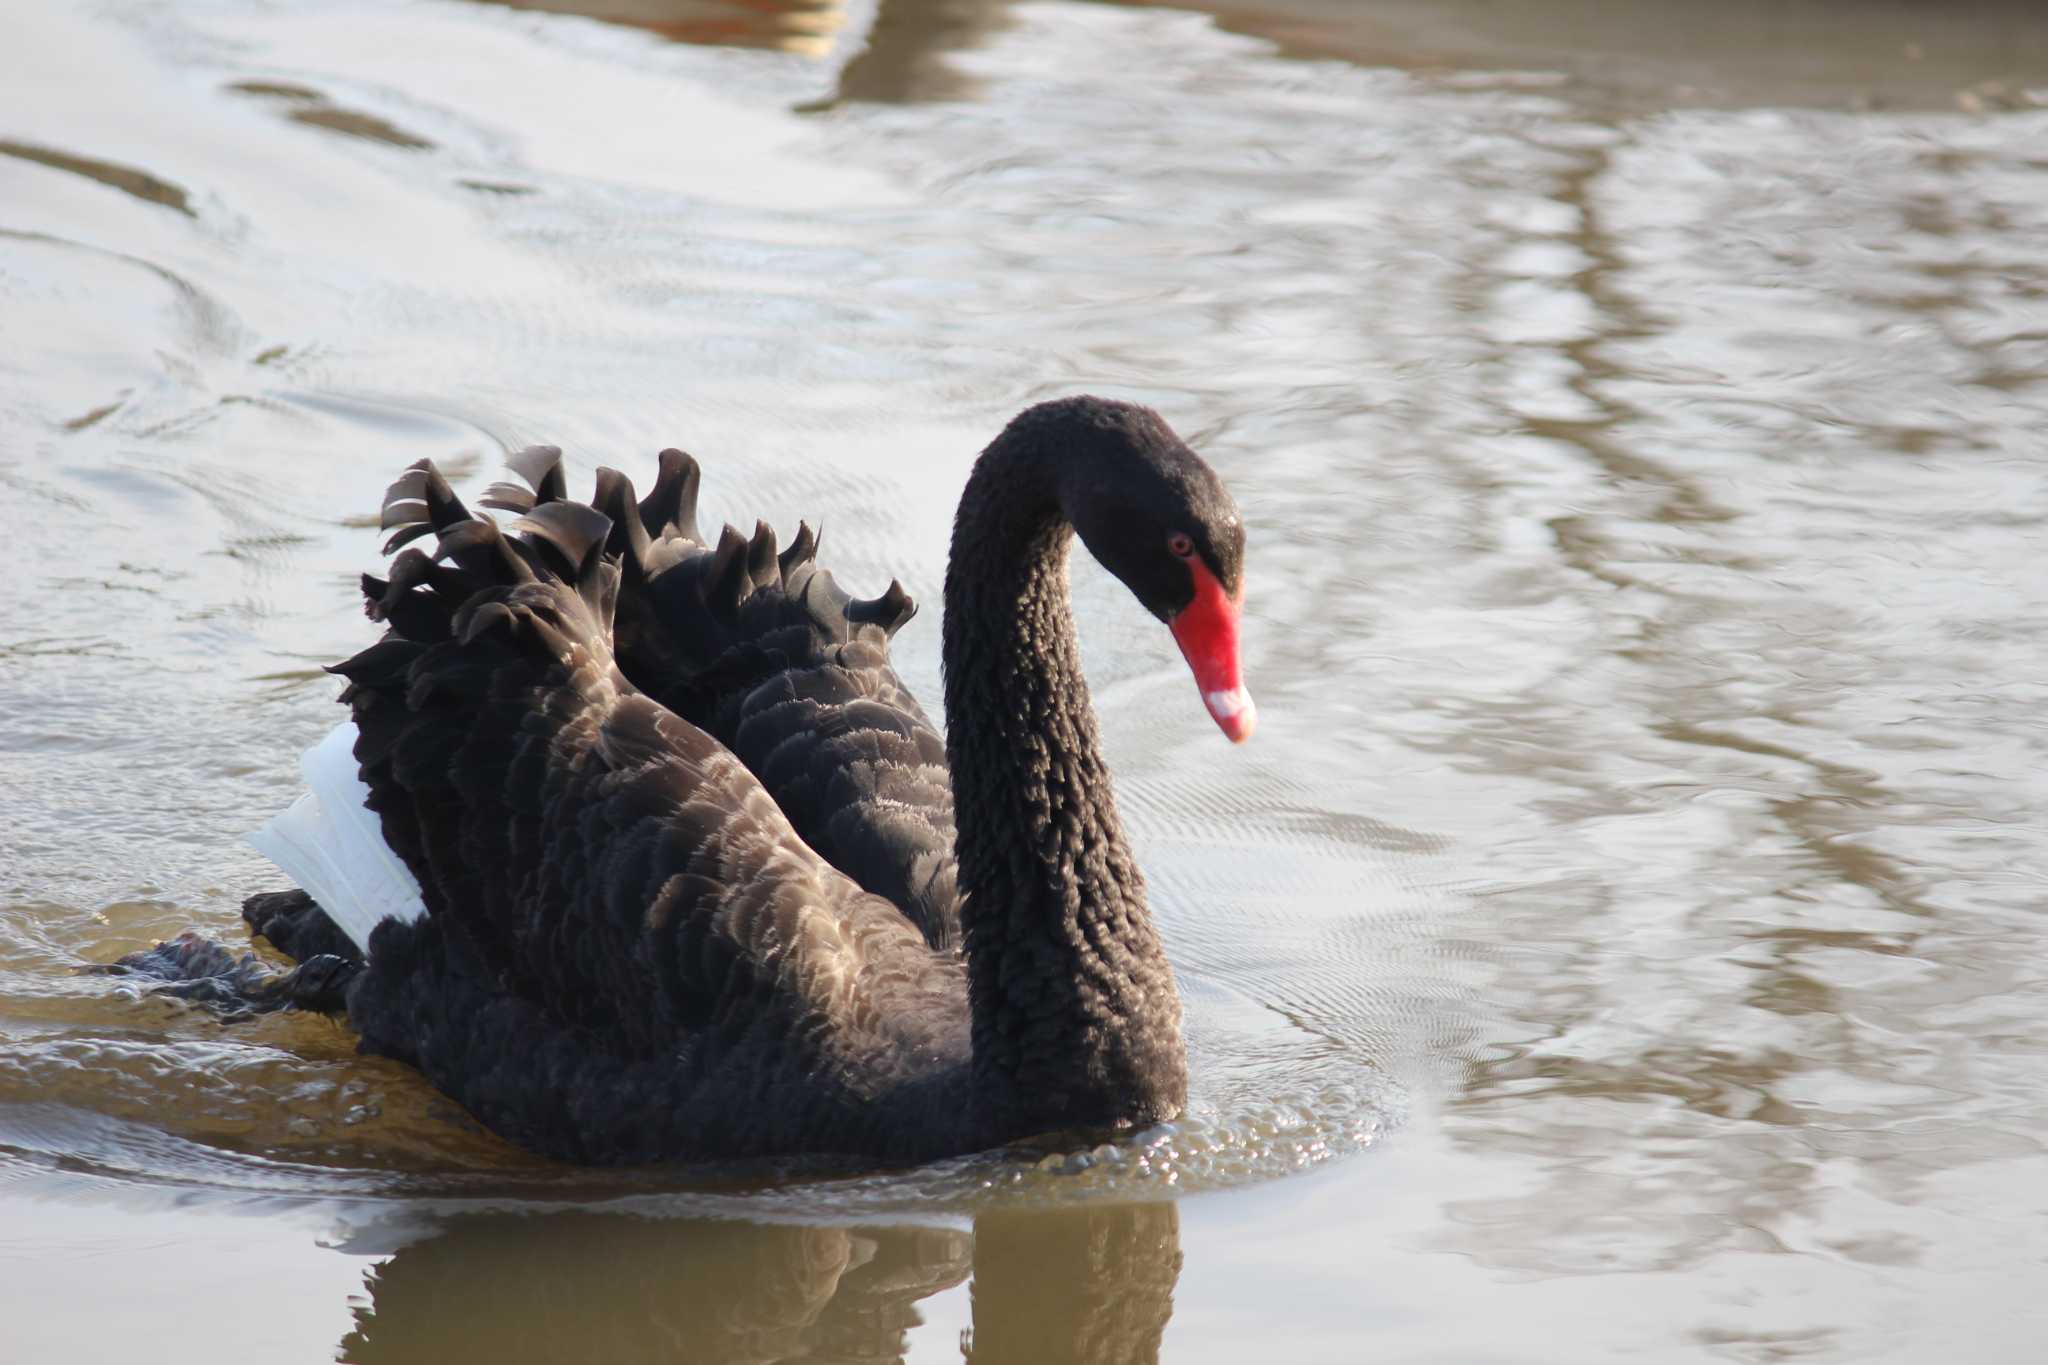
(1076, 1283)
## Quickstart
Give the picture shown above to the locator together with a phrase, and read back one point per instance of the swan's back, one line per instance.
(760, 647)
(629, 954)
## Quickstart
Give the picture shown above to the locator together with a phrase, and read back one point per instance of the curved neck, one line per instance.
(1075, 1017)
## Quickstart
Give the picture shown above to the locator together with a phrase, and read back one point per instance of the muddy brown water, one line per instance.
(1625, 937)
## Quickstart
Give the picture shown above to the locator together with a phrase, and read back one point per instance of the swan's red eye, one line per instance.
(1180, 544)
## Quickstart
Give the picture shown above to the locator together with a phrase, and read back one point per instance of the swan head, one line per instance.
(1159, 518)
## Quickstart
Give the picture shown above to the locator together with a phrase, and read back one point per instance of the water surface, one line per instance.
(1623, 936)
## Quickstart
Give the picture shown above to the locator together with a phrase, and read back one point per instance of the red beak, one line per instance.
(1206, 631)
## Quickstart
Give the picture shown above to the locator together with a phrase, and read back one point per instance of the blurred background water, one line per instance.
(1623, 938)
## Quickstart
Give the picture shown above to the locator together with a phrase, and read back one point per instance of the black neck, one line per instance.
(1076, 1019)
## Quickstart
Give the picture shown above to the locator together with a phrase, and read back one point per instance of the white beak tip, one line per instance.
(1235, 713)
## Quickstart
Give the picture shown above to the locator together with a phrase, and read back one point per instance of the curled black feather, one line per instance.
(572, 529)
(406, 535)
(411, 486)
(401, 512)
(444, 509)
(541, 466)
(802, 550)
(508, 497)
(670, 508)
(763, 568)
(478, 617)
(891, 611)
(724, 582)
(478, 548)
(629, 539)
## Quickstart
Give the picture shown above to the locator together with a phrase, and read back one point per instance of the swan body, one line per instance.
(588, 737)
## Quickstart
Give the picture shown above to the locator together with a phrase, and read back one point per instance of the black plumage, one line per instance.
(631, 955)
(765, 651)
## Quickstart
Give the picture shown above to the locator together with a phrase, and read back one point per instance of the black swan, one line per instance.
(595, 927)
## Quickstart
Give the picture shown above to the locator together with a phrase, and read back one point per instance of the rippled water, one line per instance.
(1624, 935)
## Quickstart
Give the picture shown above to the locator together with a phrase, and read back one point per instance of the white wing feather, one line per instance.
(329, 843)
